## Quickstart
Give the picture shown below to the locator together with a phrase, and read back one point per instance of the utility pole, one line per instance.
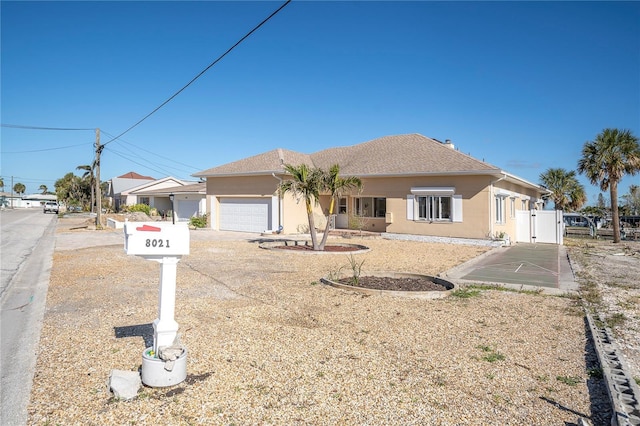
(98, 189)
(12, 192)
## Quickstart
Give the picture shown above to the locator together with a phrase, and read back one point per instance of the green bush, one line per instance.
(140, 208)
(199, 221)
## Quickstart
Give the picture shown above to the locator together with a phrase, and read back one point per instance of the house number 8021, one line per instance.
(156, 243)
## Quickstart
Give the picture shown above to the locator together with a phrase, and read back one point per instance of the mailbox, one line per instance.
(156, 239)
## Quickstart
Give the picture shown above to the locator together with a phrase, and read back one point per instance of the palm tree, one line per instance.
(306, 184)
(606, 160)
(336, 186)
(88, 174)
(44, 189)
(566, 192)
(2, 184)
(19, 188)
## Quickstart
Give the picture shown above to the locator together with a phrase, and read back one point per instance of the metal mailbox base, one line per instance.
(155, 375)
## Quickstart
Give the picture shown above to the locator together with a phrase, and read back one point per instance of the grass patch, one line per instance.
(465, 293)
(595, 373)
(568, 380)
(615, 320)
(490, 354)
(521, 290)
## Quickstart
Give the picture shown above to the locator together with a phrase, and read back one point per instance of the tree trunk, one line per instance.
(326, 228)
(615, 218)
(312, 228)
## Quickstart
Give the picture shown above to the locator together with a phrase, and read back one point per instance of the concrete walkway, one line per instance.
(537, 267)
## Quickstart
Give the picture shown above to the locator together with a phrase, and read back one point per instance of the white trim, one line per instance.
(457, 208)
(433, 190)
(410, 202)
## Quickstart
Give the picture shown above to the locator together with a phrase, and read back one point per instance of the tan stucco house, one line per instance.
(412, 184)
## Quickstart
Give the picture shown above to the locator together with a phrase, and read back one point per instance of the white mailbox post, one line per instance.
(165, 243)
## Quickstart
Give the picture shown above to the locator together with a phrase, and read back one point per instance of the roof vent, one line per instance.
(449, 144)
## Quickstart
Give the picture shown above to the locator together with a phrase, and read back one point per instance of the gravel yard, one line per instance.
(269, 344)
(609, 276)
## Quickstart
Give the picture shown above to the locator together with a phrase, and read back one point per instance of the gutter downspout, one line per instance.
(491, 205)
(279, 204)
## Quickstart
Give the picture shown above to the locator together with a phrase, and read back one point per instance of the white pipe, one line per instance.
(279, 204)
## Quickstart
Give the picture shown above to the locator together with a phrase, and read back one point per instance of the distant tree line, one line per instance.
(79, 191)
(605, 161)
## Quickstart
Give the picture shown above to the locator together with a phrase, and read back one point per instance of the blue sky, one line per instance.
(521, 85)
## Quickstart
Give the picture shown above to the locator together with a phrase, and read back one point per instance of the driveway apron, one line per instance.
(544, 266)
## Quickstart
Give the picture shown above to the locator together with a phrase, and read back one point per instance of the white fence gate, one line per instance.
(539, 226)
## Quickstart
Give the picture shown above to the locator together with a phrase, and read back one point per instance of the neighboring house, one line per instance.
(118, 187)
(38, 200)
(188, 197)
(412, 184)
(25, 201)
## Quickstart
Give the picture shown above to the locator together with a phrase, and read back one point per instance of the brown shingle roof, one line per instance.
(266, 163)
(400, 155)
(408, 154)
(134, 175)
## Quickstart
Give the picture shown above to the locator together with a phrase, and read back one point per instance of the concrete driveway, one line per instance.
(543, 267)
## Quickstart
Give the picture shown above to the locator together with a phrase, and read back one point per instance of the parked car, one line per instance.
(51, 206)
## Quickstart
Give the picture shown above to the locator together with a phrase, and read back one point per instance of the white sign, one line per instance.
(156, 239)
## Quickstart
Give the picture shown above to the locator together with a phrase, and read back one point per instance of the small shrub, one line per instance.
(199, 221)
(144, 208)
(358, 222)
(356, 269)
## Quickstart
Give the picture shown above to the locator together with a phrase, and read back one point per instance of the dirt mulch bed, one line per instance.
(394, 284)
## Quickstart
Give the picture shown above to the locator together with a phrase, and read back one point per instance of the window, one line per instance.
(500, 208)
(524, 205)
(512, 207)
(434, 207)
(342, 206)
(144, 200)
(434, 204)
(371, 206)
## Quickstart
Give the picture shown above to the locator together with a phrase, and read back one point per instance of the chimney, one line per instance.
(449, 144)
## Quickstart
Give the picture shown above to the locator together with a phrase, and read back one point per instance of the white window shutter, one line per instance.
(410, 207)
(457, 208)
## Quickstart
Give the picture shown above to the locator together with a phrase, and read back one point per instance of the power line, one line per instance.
(165, 172)
(45, 149)
(18, 126)
(154, 163)
(202, 72)
(154, 153)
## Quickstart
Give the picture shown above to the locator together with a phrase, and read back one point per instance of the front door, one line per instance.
(342, 218)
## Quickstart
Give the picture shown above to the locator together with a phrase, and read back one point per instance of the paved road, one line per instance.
(27, 242)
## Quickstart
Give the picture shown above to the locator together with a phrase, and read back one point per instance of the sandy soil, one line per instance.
(609, 277)
(269, 344)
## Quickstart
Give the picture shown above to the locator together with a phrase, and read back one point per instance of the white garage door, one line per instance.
(244, 214)
(186, 209)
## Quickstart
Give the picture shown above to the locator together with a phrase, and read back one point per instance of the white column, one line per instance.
(165, 327)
